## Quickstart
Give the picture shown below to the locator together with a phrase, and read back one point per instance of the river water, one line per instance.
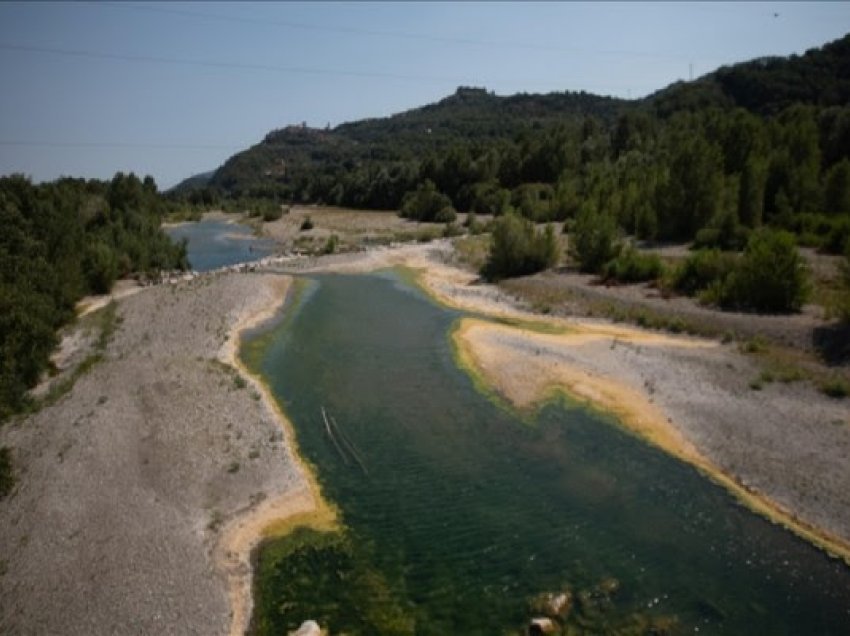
(457, 513)
(214, 244)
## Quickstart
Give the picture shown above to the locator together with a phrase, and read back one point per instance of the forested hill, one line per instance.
(374, 162)
(288, 158)
(767, 85)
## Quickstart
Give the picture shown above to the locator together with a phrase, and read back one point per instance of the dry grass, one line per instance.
(354, 228)
(471, 251)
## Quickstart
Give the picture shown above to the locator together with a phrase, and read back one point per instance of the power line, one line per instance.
(219, 64)
(117, 144)
(124, 57)
(406, 35)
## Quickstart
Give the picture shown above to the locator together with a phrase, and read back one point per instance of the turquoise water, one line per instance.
(214, 244)
(458, 513)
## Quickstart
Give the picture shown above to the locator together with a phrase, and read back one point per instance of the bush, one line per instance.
(452, 229)
(489, 198)
(427, 205)
(517, 248)
(7, 476)
(836, 387)
(594, 240)
(272, 213)
(701, 270)
(844, 307)
(838, 237)
(474, 225)
(307, 224)
(101, 267)
(771, 276)
(631, 266)
(331, 245)
(725, 234)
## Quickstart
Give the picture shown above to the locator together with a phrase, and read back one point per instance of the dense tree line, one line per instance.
(61, 241)
(763, 143)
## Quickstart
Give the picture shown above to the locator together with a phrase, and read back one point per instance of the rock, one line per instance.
(541, 626)
(609, 586)
(552, 605)
(561, 604)
(308, 628)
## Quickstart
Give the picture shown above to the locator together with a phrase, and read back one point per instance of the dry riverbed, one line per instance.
(128, 484)
(143, 490)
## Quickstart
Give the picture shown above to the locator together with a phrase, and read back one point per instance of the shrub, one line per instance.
(474, 225)
(844, 307)
(631, 266)
(701, 270)
(489, 198)
(272, 212)
(836, 387)
(838, 237)
(101, 267)
(517, 248)
(331, 245)
(594, 240)
(452, 229)
(307, 224)
(771, 276)
(427, 205)
(7, 477)
(726, 235)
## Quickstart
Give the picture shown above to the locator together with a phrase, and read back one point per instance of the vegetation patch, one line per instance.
(837, 387)
(632, 266)
(331, 579)
(517, 248)
(7, 475)
(71, 238)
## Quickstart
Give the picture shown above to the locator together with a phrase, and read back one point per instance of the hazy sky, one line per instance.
(172, 89)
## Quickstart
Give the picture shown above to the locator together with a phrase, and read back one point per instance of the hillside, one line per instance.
(288, 156)
(304, 164)
(767, 85)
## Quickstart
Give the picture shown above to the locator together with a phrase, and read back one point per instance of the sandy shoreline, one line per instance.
(304, 506)
(524, 368)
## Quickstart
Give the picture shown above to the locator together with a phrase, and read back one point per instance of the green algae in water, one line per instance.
(464, 513)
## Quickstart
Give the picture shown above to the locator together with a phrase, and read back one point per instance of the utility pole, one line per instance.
(691, 71)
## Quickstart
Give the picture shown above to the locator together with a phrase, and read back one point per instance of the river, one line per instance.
(213, 244)
(458, 512)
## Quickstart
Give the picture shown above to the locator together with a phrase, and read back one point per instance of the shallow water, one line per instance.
(214, 244)
(457, 512)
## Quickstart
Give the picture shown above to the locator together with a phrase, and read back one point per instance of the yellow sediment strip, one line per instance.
(276, 516)
(527, 378)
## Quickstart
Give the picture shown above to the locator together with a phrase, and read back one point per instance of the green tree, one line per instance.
(517, 248)
(771, 276)
(837, 190)
(427, 205)
(751, 192)
(594, 240)
(691, 195)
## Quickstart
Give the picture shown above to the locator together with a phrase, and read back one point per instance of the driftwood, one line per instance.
(333, 438)
(350, 445)
(336, 435)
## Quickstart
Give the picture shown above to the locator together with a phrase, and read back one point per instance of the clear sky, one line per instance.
(173, 89)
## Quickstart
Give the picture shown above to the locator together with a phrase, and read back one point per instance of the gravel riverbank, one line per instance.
(125, 484)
